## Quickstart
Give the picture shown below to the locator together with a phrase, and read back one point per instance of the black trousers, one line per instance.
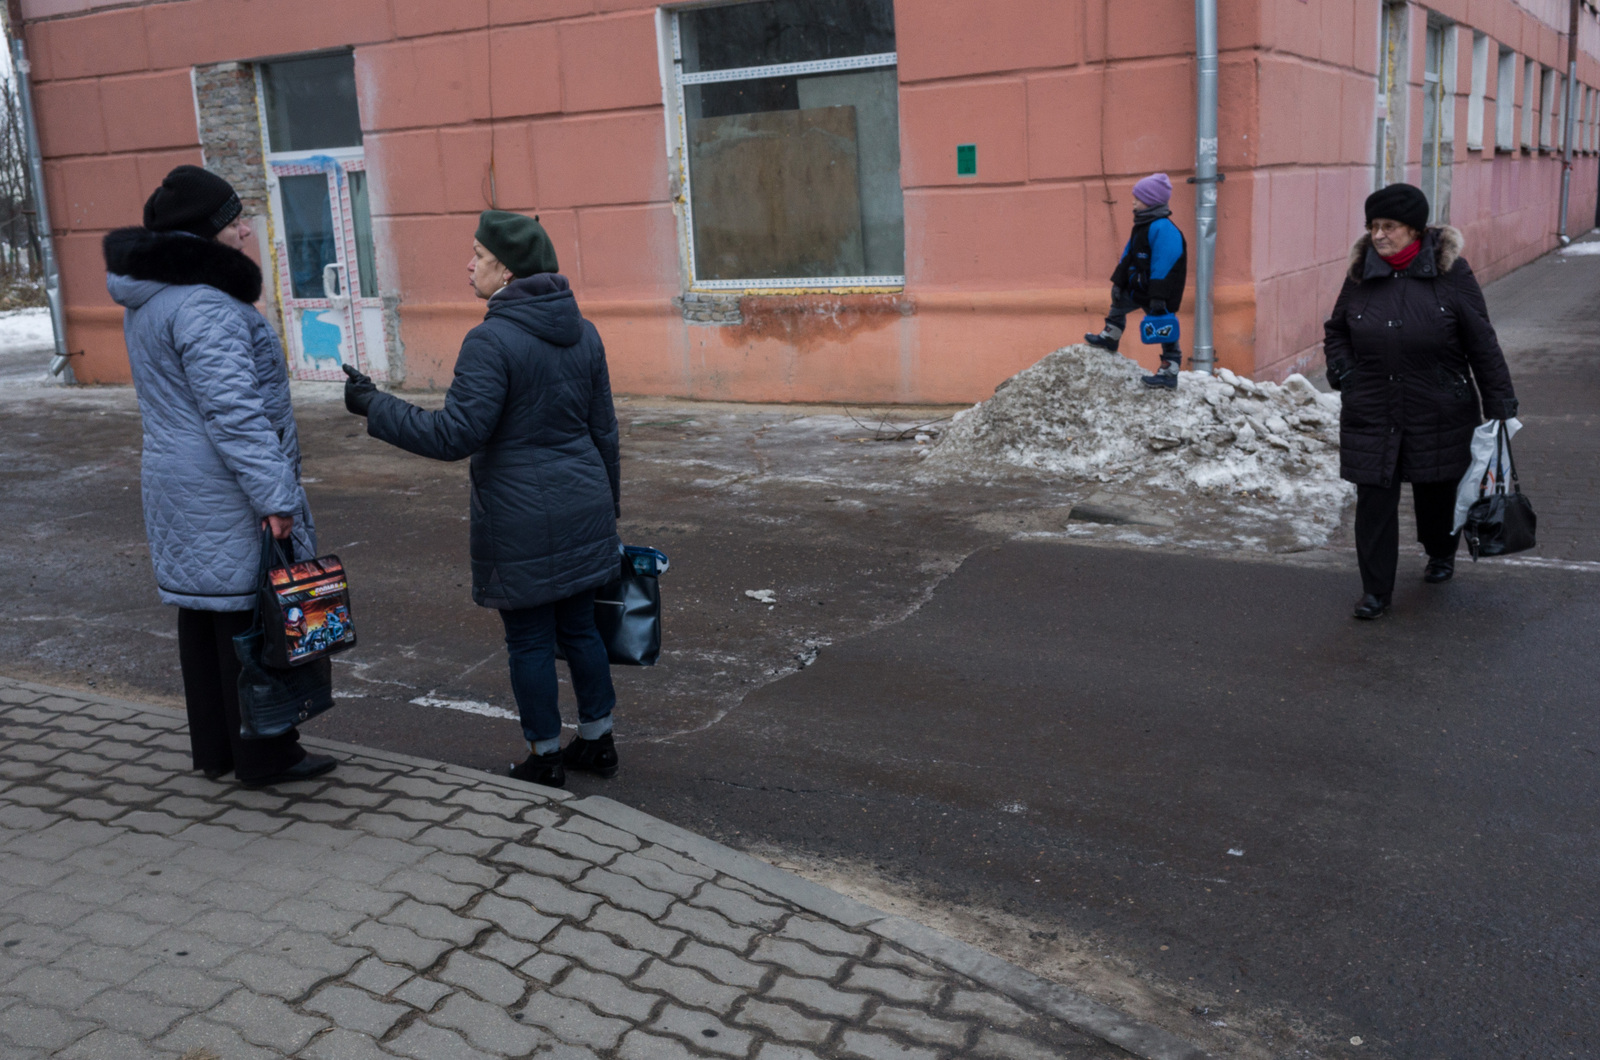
(211, 695)
(1123, 303)
(1378, 529)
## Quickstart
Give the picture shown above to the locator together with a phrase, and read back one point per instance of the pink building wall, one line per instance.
(1069, 102)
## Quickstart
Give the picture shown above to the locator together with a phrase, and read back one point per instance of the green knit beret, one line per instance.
(521, 243)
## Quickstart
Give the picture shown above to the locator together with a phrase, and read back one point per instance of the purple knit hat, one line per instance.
(1154, 190)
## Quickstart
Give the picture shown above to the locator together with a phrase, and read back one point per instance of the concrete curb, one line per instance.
(1102, 1021)
(1141, 1039)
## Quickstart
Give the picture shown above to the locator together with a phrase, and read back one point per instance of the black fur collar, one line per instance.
(182, 259)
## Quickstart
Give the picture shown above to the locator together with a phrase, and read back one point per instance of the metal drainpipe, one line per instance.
(61, 364)
(1206, 180)
(1566, 122)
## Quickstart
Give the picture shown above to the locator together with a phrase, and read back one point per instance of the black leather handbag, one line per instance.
(627, 612)
(1500, 522)
(272, 699)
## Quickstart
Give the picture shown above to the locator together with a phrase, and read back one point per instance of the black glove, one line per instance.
(1337, 376)
(1158, 307)
(358, 391)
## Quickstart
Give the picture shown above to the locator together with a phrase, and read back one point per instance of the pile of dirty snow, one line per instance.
(1083, 413)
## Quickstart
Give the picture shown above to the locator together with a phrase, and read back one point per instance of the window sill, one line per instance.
(802, 286)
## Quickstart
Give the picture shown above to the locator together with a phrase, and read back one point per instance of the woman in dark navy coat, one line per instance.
(531, 405)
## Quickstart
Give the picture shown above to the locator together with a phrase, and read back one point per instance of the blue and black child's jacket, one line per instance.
(1155, 262)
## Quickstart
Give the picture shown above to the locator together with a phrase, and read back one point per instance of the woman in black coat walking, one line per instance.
(531, 404)
(1411, 348)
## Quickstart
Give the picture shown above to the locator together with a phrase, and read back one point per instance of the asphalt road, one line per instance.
(1076, 735)
(1391, 826)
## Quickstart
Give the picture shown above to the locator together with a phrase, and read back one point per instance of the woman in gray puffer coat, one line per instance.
(221, 457)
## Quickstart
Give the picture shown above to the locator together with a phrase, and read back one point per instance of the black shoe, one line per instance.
(592, 756)
(1370, 607)
(308, 767)
(1440, 570)
(549, 770)
(216, 774)
(1102, 341)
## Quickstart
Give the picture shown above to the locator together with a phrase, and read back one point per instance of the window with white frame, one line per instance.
(1589, 119)
(1547, 108)
(1584, 118)
(1438, 116)
(787, 129)
(1530, 106)
(1505, 102)
(1394, 93)
(1480, 88)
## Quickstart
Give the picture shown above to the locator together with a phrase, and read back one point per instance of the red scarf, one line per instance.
(1400, 261)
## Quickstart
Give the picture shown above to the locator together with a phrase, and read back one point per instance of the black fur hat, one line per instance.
(194, 200)
(1399, 202)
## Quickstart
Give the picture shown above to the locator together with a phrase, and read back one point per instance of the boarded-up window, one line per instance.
(790, 139)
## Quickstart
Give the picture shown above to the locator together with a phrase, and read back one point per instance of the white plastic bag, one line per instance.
(1483, 446)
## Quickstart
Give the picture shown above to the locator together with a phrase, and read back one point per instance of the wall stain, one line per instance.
(808, 321)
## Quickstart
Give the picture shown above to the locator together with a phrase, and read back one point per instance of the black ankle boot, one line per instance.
(548, 770)
(307, 768)
(597, 756)
(1102, 341)
(1440, 570)
(1369, 607)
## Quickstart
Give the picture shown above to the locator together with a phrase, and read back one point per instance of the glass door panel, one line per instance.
(308, 232)
(361, 217)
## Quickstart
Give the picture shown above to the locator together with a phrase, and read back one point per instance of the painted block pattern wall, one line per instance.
(555, 107)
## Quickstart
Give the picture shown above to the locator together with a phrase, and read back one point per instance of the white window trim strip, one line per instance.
(816, 66)
(814, 283)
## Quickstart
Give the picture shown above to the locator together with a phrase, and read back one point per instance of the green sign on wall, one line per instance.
(966, 160)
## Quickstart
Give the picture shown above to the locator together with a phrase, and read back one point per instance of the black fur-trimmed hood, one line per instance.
(1448, 243)
(181, 259)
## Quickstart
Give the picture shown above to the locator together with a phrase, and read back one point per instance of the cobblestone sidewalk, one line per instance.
(403, 908)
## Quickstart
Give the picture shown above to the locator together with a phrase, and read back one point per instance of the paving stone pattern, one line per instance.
(390, 910)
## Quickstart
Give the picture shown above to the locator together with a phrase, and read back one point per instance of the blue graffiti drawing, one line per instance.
(320, 339)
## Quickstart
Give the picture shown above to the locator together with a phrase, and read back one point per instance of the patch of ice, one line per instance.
(1082, 414)
(1581, 248)
(26, 329)
(469, 706)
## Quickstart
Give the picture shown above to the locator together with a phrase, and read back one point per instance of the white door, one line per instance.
(321, 222)
(322, 232)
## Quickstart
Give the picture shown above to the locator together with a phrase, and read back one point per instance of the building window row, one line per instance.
(1543, 97)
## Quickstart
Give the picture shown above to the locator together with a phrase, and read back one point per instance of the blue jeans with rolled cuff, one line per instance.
(531, 637)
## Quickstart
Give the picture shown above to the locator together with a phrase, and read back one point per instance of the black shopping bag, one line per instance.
(273, 699)
(627, 612)
(1500, 523)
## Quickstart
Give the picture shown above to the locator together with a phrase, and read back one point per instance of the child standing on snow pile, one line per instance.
(1150, 275)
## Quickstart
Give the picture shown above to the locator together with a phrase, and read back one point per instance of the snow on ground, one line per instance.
(1582, 248)
(1083, 414)
(25, 329)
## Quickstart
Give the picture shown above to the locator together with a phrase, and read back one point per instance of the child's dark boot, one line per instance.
(1106, 340)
